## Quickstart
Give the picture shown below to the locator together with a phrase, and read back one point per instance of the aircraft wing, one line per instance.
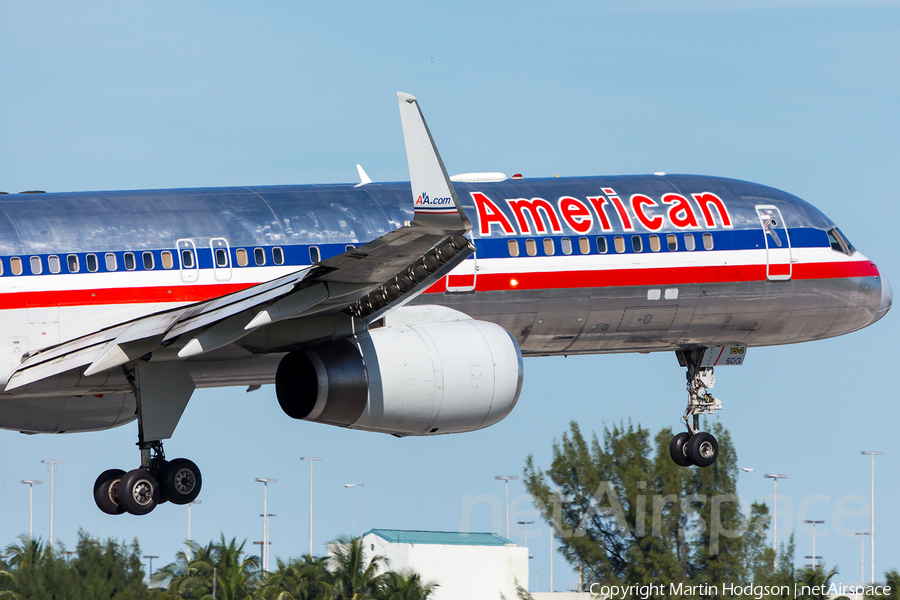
(366, 281)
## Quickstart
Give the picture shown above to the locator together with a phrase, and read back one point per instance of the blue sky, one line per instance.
(801, 96)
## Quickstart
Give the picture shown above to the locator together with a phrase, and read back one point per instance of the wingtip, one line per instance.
(404, 97)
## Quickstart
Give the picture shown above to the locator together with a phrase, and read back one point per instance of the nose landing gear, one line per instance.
(695, 447)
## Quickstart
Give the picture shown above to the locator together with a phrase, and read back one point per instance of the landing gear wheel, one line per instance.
(138, 491)
(678, 449)
(105, 492)
(702, 449)
(181, 481)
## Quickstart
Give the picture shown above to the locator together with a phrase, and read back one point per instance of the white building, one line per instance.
(464, 565)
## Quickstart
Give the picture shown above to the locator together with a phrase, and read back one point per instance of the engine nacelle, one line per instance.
(406, 379)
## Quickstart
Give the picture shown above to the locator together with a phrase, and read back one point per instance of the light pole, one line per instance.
(68, 553)
(775, 477)
(52, 464)
(31, 483)
(506, 479)
(814, 523)
(362, 505)
(873, 454)
(150, 557)
(526, 524)
(551, 558)
(311, 460)
(266, 481)
(862, 556)
(189, 527)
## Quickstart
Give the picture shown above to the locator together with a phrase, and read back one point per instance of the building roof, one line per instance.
(401, 536)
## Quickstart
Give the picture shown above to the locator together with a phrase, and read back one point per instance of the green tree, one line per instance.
(305, 579)
(813, 582)
(891, 580)
(355, 576)
(236, 578)
(406, 586)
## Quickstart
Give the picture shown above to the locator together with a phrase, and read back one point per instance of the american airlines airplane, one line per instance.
(402, 308)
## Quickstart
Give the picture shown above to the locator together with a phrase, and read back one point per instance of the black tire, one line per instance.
(105, 489)
(181, 481)
(702, 449)
(138, 492)
(678, 450)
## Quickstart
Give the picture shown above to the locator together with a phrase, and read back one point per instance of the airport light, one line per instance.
(526, 524)
(68, 553)
(362, 505)
(862, 556)
(52, 464)
(31, 483)
(775, 477)
(266, 481)
(311, 460)
(260, 544)
(873, 454)
(506, 479)
(814, 523)
(150, 558)
(189, 528)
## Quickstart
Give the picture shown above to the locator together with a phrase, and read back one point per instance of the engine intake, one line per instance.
(405, 379)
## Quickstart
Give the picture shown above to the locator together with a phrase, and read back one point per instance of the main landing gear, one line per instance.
(139, 491)
(695, 447)
(161, 392)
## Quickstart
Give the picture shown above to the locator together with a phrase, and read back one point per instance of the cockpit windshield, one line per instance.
(839, 242)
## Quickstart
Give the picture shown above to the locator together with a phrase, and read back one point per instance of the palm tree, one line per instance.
(815, 578)
(236, 577)
(28, 553)
(406, 586)
(354, 577)
(305, 579)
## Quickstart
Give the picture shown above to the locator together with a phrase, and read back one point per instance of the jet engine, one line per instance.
(406, 379)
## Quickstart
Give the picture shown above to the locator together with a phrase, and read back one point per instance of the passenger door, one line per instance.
(778, 243)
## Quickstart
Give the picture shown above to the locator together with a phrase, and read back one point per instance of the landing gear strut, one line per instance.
(139, 491)
(695, 447)
(161, 392)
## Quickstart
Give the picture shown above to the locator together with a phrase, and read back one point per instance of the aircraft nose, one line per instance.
(887, 298)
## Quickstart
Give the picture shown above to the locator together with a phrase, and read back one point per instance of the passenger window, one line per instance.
(513, 247)
(654, 243)
(314, 255)
(689, 241)
(148, 260)
(620, 244)
(601, 245)
(167, 261)
(530, 247)
(221, 257)
(111, 261)
(187, 259)
(672, 239)
(53, 263)
(15, 265)
(72, 261)
(278, 256)
(1, 267)
(242, 257)
(566, 245)
(91, 260)
(707, 241)
(584, 245)
(259, 256)
(549, 247)
(636, 243)
(36, 266)
(129, 261)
